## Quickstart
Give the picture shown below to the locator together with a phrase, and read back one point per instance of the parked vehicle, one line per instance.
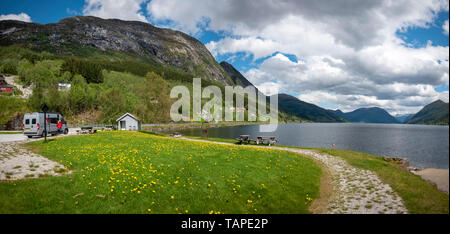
(33, 124)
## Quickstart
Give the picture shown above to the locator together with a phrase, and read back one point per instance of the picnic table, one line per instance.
(108, 128)
(244, 138)
(86, 130)
(268, 140)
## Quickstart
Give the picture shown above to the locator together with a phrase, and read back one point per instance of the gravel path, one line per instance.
(356, 191)
(18, 163)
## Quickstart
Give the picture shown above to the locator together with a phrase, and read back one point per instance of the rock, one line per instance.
(401, 162)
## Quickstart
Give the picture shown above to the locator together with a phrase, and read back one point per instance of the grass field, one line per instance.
(420, 196)
(124, 172)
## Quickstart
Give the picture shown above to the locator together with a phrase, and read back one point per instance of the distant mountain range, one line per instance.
(403, 118)
(434, 113)
(367, 115)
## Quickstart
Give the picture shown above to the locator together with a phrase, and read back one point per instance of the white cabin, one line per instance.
(128, 122)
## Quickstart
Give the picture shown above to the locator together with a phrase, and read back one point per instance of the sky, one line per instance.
(340, 54)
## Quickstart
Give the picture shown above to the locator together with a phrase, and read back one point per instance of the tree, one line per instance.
(112, 105)
(91, 71)
(155, 102)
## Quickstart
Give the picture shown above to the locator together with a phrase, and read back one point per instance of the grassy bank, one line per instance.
(124, 172)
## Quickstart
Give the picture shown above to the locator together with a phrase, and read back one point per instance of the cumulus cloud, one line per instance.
(20, 17)
(115, 9)
(351, 22)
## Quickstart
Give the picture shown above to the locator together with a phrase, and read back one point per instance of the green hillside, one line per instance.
(434, 113)
(306, 111)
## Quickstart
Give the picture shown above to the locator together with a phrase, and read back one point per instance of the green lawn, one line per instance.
(124, 172)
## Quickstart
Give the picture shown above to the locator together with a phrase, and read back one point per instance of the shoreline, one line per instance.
(439, 177)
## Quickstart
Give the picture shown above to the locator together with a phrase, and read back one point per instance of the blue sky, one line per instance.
(226, 28)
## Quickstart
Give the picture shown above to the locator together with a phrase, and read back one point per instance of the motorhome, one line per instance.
(34, 124)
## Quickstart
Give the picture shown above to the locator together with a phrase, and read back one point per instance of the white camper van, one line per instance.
(33, 124)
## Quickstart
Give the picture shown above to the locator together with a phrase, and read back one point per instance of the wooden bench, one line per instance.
(244, 138)
(267, 140)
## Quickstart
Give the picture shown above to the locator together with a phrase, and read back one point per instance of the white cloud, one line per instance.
(445, 27)
(21, 17)
(115, 9)
(258, 47)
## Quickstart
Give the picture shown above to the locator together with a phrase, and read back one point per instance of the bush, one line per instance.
(9, 66)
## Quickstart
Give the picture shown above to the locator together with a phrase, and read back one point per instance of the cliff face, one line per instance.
(164, 46)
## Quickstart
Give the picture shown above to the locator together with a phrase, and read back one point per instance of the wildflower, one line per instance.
(172, 197)
(249, 201)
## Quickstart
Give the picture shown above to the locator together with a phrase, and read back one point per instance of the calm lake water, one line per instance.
(424, 146)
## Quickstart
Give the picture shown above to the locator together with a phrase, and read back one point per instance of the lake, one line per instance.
(425, 146)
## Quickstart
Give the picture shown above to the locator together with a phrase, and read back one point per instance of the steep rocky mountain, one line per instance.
(367, 115)
(403, 118)
(306, 111)
(235, 75)
(81, 35)
(434, 113)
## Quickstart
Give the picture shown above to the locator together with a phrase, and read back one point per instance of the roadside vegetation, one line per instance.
(125, 172)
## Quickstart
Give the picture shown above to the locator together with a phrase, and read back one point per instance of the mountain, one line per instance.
(434, 113)
(235, 75)
(367, 115)
(403, 118)
(305, 111)
(113, 39)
